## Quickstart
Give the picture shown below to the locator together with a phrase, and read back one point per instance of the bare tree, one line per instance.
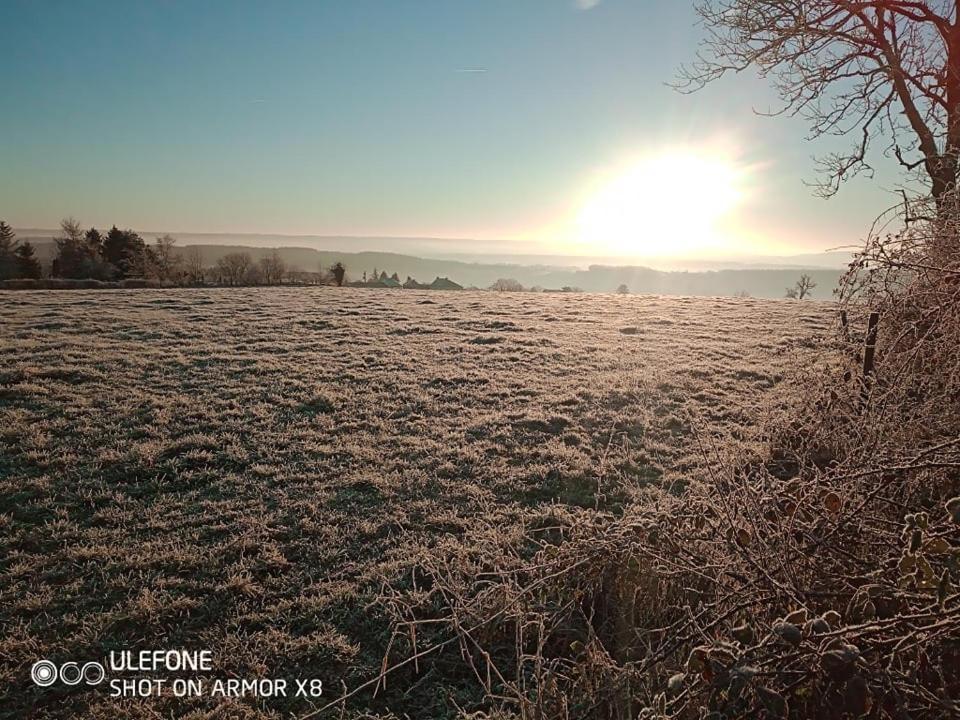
(234, 267)
(875, 68)
(192, 261)
(254, 275)
(273, 268)
(70, 230)
(168, 263)
(805, 286)
(507, 285)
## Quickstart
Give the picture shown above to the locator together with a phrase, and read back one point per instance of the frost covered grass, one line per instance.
(243, 470)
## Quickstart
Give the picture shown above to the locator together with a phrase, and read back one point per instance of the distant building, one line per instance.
(411, 284)
(385, 281)
(445, 284)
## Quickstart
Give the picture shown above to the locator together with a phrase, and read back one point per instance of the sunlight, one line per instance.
(669, 203)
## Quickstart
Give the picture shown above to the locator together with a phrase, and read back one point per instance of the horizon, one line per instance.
(421, 248)
(500, 130)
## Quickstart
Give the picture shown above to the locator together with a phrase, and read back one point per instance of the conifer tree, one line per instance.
(27, 265)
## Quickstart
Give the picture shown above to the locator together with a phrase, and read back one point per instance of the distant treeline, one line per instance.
(121, 255)
(121, 258)
(89, 259)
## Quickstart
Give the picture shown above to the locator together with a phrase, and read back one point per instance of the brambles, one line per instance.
(953, 507)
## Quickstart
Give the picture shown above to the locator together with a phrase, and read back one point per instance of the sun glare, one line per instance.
(671, 203)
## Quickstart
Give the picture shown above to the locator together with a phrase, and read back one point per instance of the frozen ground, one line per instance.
(239, 470)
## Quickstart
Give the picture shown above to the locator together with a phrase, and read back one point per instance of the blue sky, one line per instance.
(455, 118)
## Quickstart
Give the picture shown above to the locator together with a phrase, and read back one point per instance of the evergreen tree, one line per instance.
(27, 264)
(94, 241)
(127, 252)
(8, 245)
(7, 236)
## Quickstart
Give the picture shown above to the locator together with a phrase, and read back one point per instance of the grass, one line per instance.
(241, 470)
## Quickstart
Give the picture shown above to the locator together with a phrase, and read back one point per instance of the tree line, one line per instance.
(119, 255)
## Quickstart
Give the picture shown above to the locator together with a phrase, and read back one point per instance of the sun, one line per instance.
(668, 203)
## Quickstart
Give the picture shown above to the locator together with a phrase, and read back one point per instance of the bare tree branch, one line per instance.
(881, 68)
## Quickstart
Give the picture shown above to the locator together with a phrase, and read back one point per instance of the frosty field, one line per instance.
(244, 470)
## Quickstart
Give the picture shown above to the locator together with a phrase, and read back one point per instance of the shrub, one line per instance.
(21, 284)
(140, 283)
(59, 284)
(507, 285)
(88, 284)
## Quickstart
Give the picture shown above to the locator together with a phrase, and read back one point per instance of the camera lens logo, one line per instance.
(93, 673)
(70, 673)
(45, 673)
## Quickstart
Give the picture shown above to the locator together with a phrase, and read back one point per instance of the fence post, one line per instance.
(869, 353)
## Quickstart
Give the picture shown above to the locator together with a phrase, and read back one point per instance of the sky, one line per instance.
(540, 126)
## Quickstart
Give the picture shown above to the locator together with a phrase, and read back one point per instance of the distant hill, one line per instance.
(483, 251)
(764, 282)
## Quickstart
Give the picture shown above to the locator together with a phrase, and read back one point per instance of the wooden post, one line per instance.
(871, 348)
(869, 353)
